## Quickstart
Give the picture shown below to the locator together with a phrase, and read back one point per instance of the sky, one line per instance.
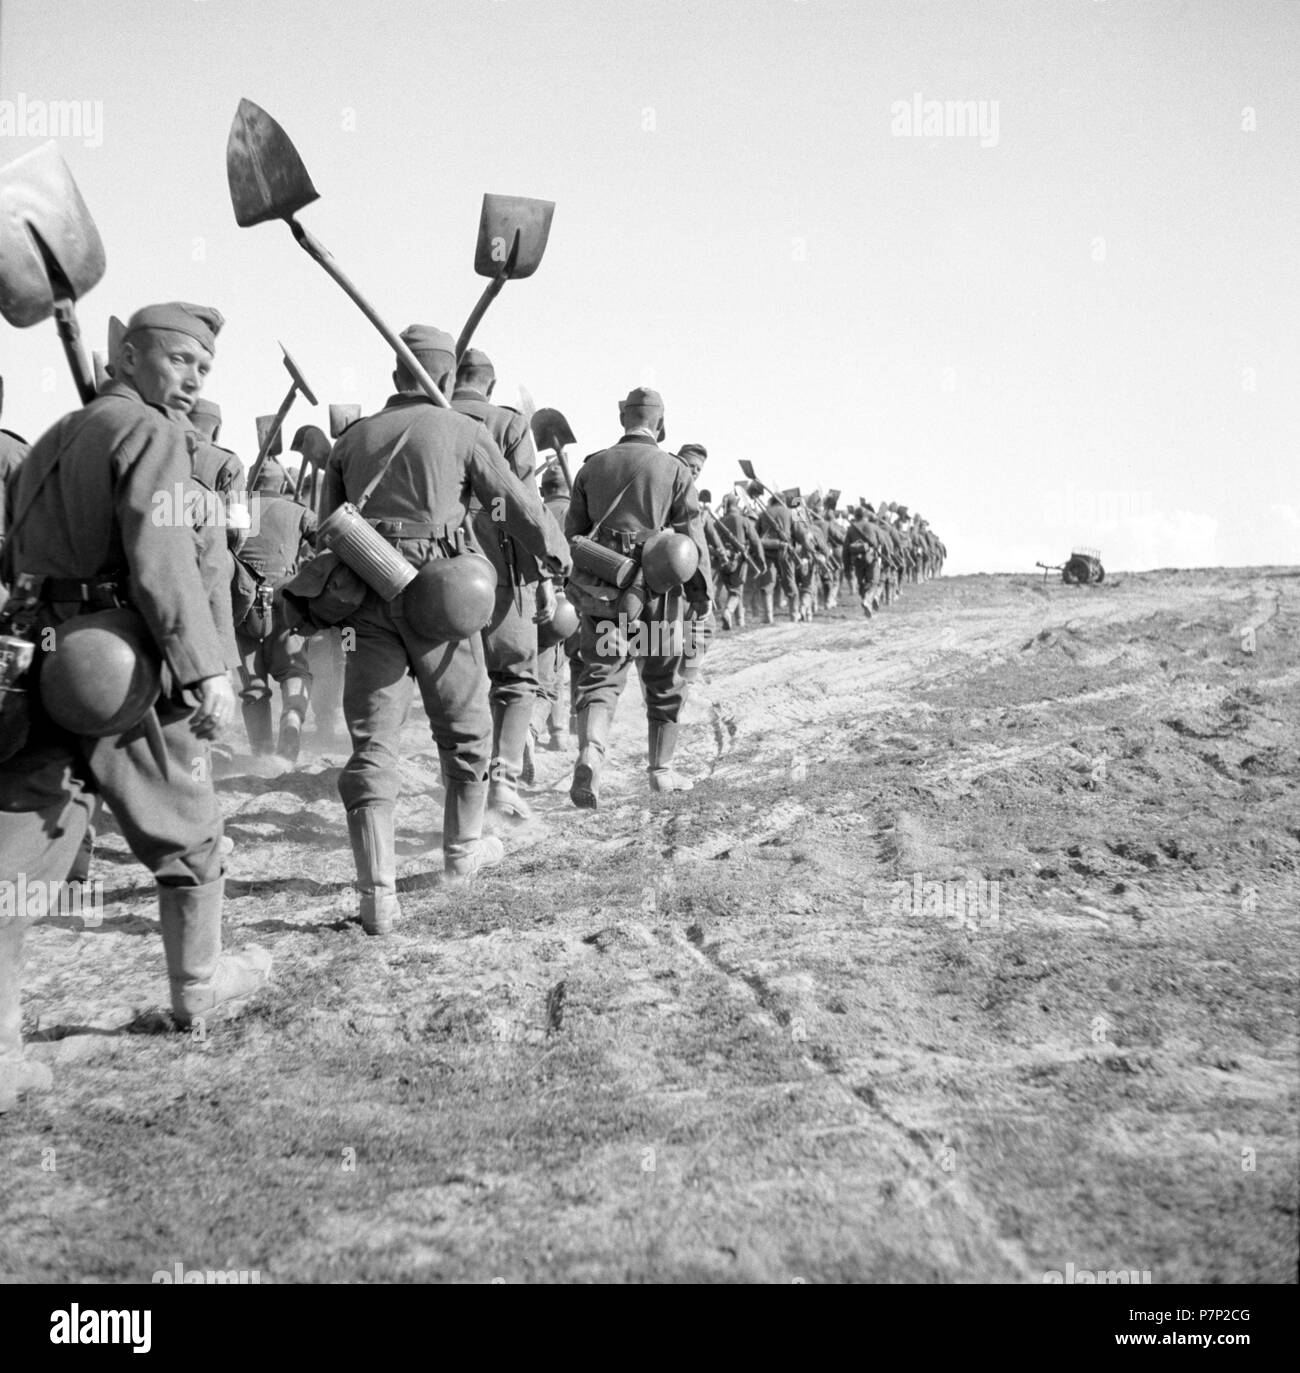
(1027, 266)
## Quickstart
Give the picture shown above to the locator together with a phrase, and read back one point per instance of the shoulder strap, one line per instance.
(374, 481)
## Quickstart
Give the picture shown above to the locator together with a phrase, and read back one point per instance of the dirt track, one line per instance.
(713, 1036)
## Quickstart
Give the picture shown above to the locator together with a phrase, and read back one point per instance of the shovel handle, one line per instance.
(490, 293)
(269, 441)
(316, 249)
(564, 467)
(65, 319)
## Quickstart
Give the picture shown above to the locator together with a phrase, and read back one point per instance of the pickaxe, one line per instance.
(50, 252)
(268, 181)
(297, 382)
(512, 234)
(551, 430)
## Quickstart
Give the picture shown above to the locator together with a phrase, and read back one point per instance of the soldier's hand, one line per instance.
(545, 602)
(216, 707)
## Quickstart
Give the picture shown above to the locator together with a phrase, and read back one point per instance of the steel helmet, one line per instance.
(102, 675)
(668, 559)
(451, 598)
(558, 628)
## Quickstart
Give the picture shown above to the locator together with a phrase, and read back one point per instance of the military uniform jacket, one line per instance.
(746, 531)
(283, 525)
(12, 452)
(775, 522)
(114, 507)
(861, 540)
(447, 460)
(637, 488)
(512, 436)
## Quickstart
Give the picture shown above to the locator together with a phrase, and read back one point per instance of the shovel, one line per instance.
(50, 252)
(512, 234)
(551, 430)
(747, 468)
(268, 436)
(341, 416)
(314, 448)
(268, 181)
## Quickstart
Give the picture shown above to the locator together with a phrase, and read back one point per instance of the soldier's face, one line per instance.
(167, 369)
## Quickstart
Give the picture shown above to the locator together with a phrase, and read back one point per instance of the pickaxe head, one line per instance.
(267, 177)
(527, 405)
(295, 372)
(49, 246)
(341, 416)
(503, 217)
(551, 430)
(265, 423)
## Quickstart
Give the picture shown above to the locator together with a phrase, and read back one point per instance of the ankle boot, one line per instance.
(374, 851)
(464, 849)
(593, 731)
(528, 772)
(294, 702)
(663, 744)
(257, 721)
(18, 1074)
(510, 729)
(204, 981)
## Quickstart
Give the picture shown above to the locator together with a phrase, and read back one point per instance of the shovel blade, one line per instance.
(551, 430)
(747, 468)
(341, 416)
(40, 205)
(311, 442)
(265, 423)
(266, 175)
(502, 215)
(296, 373)
(833, 498)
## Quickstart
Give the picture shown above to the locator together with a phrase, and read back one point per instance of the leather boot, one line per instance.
(528, 772)
(204, 981)
(663, 744)
(464, 849)
(18, 1074)
(510, 722)
(593, 732)
(80, 870)
(738, 611)
(257, 721)
(374, 851)
(293, 701)
(768, 616)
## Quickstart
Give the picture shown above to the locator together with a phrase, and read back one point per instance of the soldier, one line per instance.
(699, 630)
(86, 533)
(862, 543)
(620, 497)
(523, 591)
(732, 582)
(549, 714)
(429, 462)
(272, 646)
(776, 530)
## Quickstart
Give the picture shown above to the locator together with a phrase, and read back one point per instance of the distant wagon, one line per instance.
(1082, 569)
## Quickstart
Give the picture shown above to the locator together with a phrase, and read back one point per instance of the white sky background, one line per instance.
(919, 318)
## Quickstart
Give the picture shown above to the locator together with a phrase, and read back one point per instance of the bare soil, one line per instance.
(712, 1036)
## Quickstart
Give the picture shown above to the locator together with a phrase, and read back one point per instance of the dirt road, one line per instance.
(972, 955)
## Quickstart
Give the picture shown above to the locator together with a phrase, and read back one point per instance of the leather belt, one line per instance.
(98, 590)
